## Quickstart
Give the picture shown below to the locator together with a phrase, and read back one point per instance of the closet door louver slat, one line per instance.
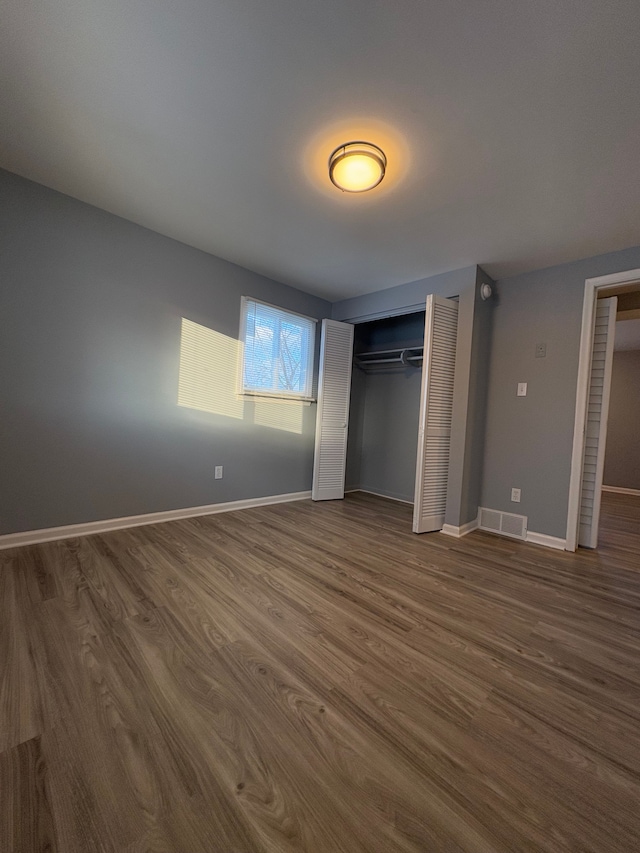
(332, 419)
(436, 408)
(596, 424)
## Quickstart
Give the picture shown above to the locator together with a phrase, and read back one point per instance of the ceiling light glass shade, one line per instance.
(356, 167)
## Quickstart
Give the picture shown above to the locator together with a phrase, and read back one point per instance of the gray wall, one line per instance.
(404, 298)
(529, 439)
(476, 403)
(390, 433)
(469, 403)
(91, 308)
(622, 457)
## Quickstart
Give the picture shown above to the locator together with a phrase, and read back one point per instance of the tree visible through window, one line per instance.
(278, 351)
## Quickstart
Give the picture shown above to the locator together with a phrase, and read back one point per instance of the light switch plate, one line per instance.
(522, 389)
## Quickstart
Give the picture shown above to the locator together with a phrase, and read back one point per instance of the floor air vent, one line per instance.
(505, 523)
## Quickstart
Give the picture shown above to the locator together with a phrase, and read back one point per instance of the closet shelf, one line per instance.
(400, 357)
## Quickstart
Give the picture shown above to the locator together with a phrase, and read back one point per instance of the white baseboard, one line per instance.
(381, 495)
(459, 532)
(618, 490)
(547, 541)
(50, 534)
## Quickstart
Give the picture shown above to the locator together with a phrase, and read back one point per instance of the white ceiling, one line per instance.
(512, 129)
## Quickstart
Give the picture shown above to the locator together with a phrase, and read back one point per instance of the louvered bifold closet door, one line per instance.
(332, 420)
(436, 408)
(595, 436)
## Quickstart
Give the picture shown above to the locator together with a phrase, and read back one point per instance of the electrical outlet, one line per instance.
(515, 495)
(218, 474)
(522, 389)
(541, 350)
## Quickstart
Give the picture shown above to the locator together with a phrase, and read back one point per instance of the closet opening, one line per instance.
(385, 405)
(400, 408)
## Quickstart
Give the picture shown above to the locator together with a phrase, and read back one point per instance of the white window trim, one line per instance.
(266, 395)
(291, 397)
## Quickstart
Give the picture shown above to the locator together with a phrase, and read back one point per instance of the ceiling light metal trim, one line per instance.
(355, 148)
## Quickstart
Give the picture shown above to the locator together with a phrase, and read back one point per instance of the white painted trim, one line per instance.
(591, 288)
(547, 541)
(381, 495)
(582, 393)
(614, 280)
(459, 532)
(334, 396)
(619, 490)
(592, 542)
(50, 534)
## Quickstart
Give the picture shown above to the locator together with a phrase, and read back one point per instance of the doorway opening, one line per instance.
(620, 513)
(604, 461)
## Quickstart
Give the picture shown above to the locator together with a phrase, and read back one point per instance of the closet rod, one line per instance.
(395, 352)
(391, 356)
(395, 360)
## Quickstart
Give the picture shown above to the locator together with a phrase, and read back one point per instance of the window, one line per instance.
(277, 351)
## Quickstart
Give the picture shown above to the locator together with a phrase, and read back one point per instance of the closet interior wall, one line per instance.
(622, 460)
(385, 401)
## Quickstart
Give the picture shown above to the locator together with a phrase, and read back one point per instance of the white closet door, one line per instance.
(436, 407)
(332, 420)
(595, 437)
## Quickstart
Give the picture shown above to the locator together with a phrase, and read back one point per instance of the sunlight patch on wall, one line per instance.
(208, 371)
(208, 382)
(279, 414)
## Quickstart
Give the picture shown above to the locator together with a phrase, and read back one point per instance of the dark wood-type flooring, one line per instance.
(315, 677)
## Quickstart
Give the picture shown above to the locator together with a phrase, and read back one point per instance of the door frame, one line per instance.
(593, 287)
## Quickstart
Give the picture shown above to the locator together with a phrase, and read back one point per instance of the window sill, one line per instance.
(248, 396)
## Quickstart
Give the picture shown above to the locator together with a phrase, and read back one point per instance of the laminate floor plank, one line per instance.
(292, 633)
(471, 795)
(21, 710)
(97, 739)
(598, 808)
(34, 575)
(368, 787)
(226, 723)
(513, 792)
(314, 677)
(26, 817)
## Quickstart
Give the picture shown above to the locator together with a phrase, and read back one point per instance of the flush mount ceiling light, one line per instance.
(356, 167)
